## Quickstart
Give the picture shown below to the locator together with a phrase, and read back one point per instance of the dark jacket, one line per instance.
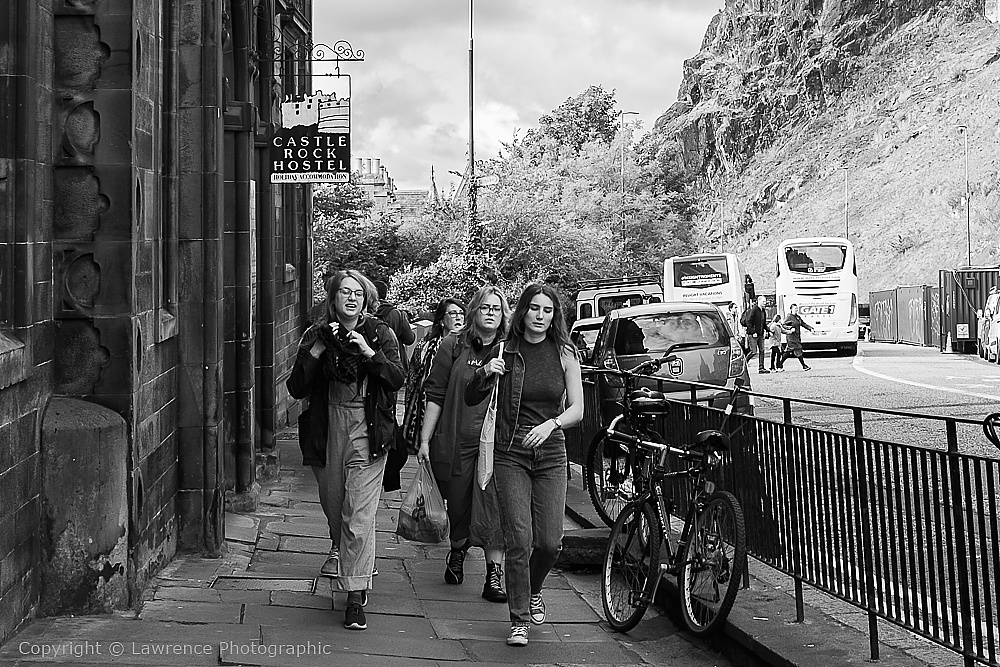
(400, 326)
(792, 327)
(385, 377)
(509, 398)
(757, 326)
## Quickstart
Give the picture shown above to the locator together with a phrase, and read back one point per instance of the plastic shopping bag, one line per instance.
(422, 517)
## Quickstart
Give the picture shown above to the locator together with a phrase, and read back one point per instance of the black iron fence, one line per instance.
(908, 533)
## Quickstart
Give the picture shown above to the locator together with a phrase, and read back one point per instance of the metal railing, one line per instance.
(907, 533)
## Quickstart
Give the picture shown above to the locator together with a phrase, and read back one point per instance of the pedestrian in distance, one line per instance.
(775, 331)
(348, 366)
(450, 435)
(448, 317)
(756, 324)
(792, 327)
(732, 314)
(540, 393)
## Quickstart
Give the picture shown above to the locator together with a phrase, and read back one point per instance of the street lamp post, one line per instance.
(964, 129)
(622, 130)
(847, 199)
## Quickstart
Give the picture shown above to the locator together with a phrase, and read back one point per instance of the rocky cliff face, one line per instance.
(792, 104)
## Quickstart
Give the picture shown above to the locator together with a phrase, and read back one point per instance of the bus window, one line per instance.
(701, 272)
(815, 258)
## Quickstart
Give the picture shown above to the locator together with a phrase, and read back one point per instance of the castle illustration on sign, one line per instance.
(330, 114)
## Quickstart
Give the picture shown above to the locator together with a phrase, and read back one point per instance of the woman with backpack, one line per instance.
(348, 366)
(449, 439)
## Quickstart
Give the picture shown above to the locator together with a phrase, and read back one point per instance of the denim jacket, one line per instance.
(509, 397)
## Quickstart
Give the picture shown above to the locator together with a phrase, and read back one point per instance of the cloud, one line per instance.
(410, 104)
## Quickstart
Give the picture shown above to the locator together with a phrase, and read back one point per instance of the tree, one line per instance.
(590, 116)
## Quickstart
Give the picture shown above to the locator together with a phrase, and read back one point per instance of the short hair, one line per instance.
(333, 284)
(382, 289)
(471, 329)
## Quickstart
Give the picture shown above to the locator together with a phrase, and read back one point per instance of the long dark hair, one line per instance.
(437, 327)
(558, 327)
(333, 284)
(470, 330)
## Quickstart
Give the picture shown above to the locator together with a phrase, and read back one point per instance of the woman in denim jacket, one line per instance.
(348, 366)
(533, 407)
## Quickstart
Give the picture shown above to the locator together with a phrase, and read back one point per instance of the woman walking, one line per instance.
(348, 366)
(449, 316)
(449, 439)
(792, 327)
(539, 394)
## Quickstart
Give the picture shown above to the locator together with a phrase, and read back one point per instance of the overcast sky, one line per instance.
(410, 95)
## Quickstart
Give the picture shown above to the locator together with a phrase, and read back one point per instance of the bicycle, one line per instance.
(711, 550)
(610, 480)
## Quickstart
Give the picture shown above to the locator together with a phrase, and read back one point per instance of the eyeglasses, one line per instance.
(347, 291)
(455, 313)
(486, 309)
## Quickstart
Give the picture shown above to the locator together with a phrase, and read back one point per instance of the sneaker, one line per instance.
(354, 617)
(807, 368)
(763, 370)
(537, 608)
(454, 572)
(493, 588)
(518, 635)
(331, 568)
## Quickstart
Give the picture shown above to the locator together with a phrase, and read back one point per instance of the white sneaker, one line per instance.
(537, 608)
(331, 568)
(518, 635)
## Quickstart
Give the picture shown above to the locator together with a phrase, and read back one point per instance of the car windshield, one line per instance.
(655, 333)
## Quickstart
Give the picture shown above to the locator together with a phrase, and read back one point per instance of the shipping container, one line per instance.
(883, 316)
(911, 314)
(963, 293)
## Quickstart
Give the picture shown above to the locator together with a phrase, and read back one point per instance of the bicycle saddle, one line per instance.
(715, 441)
(647, 401)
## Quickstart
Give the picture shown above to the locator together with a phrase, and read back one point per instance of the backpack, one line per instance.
(745, 317)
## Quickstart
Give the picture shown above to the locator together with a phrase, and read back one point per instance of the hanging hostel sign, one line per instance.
(313, 144)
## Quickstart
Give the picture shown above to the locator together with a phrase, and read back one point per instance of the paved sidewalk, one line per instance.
(264, 603)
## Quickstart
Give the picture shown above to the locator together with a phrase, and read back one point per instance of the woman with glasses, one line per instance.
(450, 440)
(449, 316)
(348, 367)
(540, 394)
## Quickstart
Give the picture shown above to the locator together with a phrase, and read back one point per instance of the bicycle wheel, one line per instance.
(714, 558)
(610, 479)
(631, 565)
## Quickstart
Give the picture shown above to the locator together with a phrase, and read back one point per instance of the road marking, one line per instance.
(858, 366)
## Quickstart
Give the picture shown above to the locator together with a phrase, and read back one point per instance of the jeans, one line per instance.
(531, 487)
(757, 343)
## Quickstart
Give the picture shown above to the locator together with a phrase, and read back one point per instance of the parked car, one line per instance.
(584, 334)
(630, 336)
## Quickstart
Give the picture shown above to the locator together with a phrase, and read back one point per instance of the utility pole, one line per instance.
(847, 220)
(622, 130)
(474, 241)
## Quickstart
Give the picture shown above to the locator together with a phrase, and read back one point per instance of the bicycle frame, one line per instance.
(655, 471)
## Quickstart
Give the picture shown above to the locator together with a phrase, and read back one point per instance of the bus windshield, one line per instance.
(815, 258)
(700, 272)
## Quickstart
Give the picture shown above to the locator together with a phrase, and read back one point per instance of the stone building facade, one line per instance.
(153, 284)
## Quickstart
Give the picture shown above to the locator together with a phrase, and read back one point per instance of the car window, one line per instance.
(655, 333)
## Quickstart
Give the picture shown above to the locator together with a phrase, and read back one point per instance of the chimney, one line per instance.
(377, 166)
(368, 166)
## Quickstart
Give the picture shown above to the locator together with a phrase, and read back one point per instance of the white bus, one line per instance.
(820, 275)
(716, 278)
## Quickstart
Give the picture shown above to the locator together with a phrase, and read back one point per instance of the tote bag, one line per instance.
(484, 467)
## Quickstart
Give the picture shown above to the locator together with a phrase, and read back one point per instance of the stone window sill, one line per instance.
(13, 360)
(166, 325)
(291, 273)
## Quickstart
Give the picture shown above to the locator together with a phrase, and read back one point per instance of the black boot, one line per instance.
(454, 572)
(493, 588)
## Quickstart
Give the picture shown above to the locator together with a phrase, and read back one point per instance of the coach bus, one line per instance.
(820, 275)
(716, 278)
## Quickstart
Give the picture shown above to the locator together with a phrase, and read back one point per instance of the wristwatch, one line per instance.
(558, 422)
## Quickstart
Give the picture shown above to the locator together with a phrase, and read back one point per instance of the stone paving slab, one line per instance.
(191, 612)
(291, 617)
(298, 528)
(497, 631)
(401, 636)
(470, 609)
(137, 639)
(556, 653)
(241, 527)
(315, 545)
(300, 599)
